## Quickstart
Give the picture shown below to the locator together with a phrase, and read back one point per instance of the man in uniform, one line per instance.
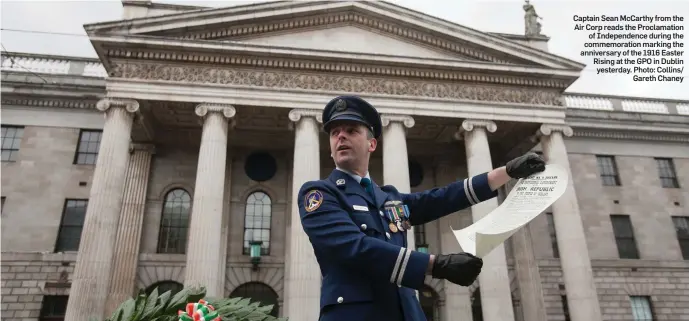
(358, 229)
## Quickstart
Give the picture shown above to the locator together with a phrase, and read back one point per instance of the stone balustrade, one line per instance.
(626, 104)
(92, 67)
(49, 64)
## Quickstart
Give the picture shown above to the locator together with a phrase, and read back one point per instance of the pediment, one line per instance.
(385, 28)
(352, 38)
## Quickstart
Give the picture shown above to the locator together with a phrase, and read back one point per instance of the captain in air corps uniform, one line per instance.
(358, 229)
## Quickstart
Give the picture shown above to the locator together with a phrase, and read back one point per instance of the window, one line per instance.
(553, 235)
(11, 141)
(641, 308)
(420, 235)
(174, 222)
(164, 286)
(624, 236)
(682, 228)
(87, 148)
(608, 170)
(2, 206)
(258, 292)
(666, 172)
(257, 221)
(72, 223)
(53, 308)
(565, 307)
(429, 303)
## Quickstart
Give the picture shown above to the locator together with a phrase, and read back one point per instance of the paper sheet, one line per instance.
(528, 198)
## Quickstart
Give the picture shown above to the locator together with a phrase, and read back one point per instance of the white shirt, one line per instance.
(354, 176)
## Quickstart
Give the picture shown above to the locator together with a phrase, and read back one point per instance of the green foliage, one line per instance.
(164, 307)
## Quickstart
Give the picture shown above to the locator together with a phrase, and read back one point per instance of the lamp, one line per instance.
(423, 248)
(255, 252)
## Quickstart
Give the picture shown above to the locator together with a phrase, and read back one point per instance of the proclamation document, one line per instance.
(528, 198)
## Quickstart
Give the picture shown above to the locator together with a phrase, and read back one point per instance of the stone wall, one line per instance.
(640, 196)
(667, 284)
(36, 186)
(28, 277)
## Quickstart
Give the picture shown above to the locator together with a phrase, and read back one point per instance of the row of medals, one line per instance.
(399, 223)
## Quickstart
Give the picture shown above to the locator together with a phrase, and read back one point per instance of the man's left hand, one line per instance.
(525, 165)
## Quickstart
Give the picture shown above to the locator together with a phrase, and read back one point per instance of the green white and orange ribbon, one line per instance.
(200, 311)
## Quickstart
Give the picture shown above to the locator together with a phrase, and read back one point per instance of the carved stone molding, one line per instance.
(464, 49)
(407, 121)
(470, 124)
(130, 105)
(240, 61)
(626, 135)
(59, 103)
(547, 129)
(228, 111)
(340, 82)
(640, 289)
(270, 275)
(150, 148)
(149, 273)
(296, 114)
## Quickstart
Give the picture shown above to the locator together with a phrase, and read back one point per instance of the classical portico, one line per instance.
(216, 81)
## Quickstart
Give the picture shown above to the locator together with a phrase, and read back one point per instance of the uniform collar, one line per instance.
(356, 177)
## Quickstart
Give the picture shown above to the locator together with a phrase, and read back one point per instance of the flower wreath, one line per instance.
(200, 311)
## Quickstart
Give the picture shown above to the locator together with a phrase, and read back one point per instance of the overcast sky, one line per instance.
(505, 16)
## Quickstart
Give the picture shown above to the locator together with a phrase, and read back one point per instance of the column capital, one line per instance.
(471, 124)
(203, 109)
(547, 129)
(407, 121)
(129, 105)
(296, 114)
(142, 147)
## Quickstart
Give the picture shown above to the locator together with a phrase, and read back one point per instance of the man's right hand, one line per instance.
(461, 268)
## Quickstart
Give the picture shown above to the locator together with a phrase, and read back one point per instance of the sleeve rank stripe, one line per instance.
(393, 277)
(404, 267)
(466, 192)
(471, 190)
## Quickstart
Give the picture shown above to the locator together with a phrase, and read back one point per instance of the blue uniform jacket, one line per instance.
(368, 271)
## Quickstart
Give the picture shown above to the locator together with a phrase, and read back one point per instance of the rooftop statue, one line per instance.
(531, 25)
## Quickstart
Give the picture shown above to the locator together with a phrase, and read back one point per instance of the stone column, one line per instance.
(91, 278)
(204, 251)
(395, 158)
(582, 297)
(457, 298)
(302, 275)
(496, 299)
(126, 258)
(527, 272)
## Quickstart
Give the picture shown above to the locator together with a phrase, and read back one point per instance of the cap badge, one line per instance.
(340, 105)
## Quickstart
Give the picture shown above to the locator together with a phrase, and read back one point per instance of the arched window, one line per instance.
(174, 222)
(257, 221)
(164, 286)
(476, 311)
(260, 292)
(429, 303)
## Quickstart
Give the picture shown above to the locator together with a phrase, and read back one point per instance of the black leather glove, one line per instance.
(525, 165)
(462, 268)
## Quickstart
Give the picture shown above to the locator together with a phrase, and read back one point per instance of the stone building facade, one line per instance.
(157, 164)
